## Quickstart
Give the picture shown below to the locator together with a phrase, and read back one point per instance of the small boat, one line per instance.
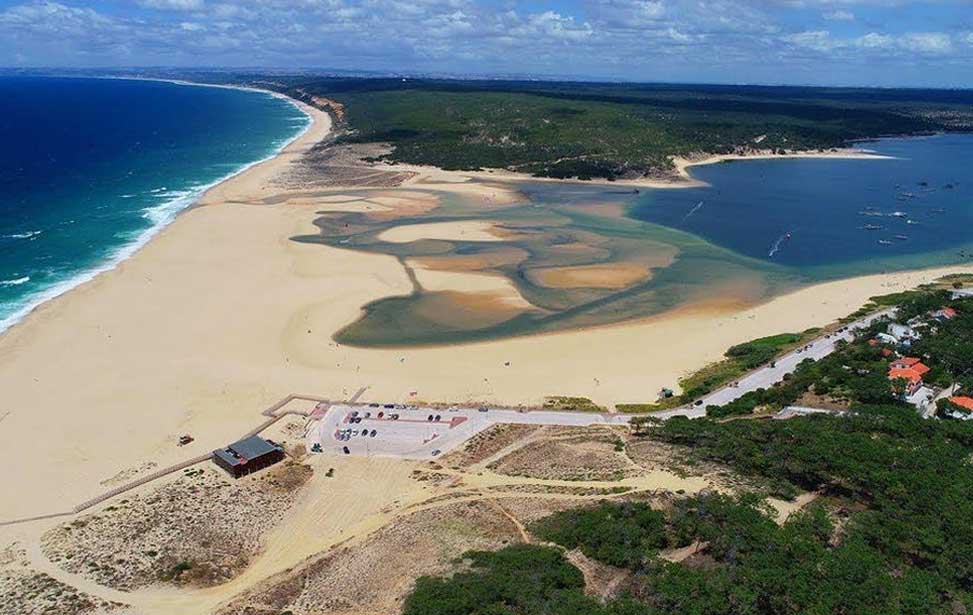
(885, 242)
(872, 227)
(939, 210)
(898, 214)
(902, 237)
(912, 222)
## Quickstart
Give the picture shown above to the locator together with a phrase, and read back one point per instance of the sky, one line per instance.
(923, 43)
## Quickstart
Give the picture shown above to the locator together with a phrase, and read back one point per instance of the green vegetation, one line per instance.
(889, 532)
(561, 402)
(613, 130)
(740, 359)
(621, 535)
(518, 579)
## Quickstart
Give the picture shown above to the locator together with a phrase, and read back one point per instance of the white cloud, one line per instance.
(839, 15)
(928, 42)
(818, 40)
(655, 39)
(873, 40)
(54, 18)
(912, 43)
(172, 5)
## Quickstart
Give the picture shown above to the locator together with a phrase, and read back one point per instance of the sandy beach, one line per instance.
(223, 314)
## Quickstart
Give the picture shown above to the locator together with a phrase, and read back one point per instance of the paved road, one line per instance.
(766, 376)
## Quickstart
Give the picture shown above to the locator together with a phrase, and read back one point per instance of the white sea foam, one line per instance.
(160, 216)
(27, 235)
(15, 281)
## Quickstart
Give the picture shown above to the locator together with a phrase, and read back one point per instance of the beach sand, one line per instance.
(223, 314)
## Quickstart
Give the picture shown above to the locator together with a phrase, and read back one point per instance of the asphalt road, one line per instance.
(765, 377)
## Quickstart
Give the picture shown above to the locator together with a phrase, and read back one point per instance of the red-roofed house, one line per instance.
(909, 369)
(910, 363)
(963, 402)
(946, 313)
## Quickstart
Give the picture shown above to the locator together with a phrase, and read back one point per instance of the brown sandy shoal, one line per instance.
(486, 259)
(609, 275)
(467, 310)
(460, 230)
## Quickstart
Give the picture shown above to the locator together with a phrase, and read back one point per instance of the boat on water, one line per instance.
(912, 222)
(898, 214)
(871, 227)
(939, 210)
(902, 237)
(885, 242)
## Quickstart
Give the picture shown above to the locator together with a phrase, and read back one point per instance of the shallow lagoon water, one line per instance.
(760, 228)
(921, 198)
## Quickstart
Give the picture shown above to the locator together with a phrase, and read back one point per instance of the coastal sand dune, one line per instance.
(223, 314)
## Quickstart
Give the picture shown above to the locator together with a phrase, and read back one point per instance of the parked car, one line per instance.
(345, 450)
(436, 452)
(373, 434)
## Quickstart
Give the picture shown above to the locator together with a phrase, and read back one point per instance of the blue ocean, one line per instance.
(91, 169)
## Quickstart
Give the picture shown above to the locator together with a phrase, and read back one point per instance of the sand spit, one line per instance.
(682, 164)
(680, 178)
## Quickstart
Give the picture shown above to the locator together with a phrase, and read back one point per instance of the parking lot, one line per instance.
(415, 432)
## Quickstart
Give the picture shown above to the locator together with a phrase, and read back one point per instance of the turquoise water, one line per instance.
(91, 169)
(833, 217)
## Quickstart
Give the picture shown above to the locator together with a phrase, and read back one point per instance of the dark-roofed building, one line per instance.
(248, 455)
